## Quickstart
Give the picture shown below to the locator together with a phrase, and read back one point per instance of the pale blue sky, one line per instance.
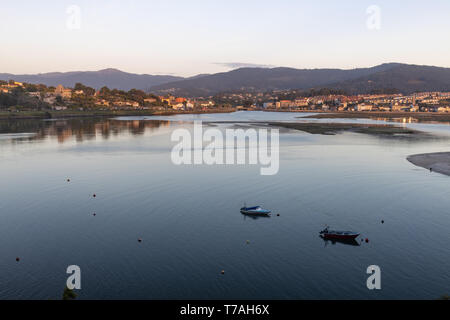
(198, 36)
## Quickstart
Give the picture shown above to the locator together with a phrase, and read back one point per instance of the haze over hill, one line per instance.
(111, 78)
(402, 77)
(405, 78)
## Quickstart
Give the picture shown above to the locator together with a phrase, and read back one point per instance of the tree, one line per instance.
(69, 294)
(88, 91)
(59, 100)
(7, 100)
(78, 86)
(136, 95)
(105, 92)
(247, 103)
(30, 87)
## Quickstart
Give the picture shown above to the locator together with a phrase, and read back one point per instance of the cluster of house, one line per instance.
(181, 103)
(287, 104)
(53, 96)
(8, 86)
(424, 102)
(175, 103)
(117, 103)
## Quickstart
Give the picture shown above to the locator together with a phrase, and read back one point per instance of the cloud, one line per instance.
(236, 65)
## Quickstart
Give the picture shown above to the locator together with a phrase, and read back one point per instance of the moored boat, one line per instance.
(255, 211)
(340, 235)
(351, 242)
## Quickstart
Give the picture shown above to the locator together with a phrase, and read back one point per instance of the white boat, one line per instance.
(255, 211)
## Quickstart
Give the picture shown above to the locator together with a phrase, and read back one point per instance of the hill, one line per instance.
(403, 77)
(111, 78)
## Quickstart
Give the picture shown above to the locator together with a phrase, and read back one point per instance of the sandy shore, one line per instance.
(418, 116)
(437, 162)
(327, 128)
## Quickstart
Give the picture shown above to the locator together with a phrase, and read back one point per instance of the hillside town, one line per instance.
(293, 101)
(16, 96)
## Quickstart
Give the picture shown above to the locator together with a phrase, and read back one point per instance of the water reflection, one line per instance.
(409, 120)
(78, 129)
(253, 217)
(351, 242)
(346, 180)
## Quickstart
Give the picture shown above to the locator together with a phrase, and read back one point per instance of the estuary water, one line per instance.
(189, 221)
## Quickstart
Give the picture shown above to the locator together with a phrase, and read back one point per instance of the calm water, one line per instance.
(189, 220)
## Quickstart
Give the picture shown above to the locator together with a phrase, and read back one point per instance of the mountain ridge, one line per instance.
(110, 77)
(404, 78)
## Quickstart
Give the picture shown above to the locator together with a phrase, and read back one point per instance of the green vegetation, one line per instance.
(25, 98)
(69, 294)
(18, 100)
(88, 91)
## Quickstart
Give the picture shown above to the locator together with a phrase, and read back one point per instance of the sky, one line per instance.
(189, 37)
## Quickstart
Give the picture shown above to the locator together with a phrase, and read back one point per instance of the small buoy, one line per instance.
(367, 240)
(278, 214)
(68, 180)
(17, 259)
(382, 221)
(94, 195)
(248, 241)
(139, 240)
(222, 272)
(94, 214)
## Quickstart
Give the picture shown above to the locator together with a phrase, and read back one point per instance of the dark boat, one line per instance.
(338, 235)
(350, 242)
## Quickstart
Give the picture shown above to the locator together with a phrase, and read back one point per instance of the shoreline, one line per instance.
(318, 114)
(42, 115)
(420, 116)
(435, 162)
